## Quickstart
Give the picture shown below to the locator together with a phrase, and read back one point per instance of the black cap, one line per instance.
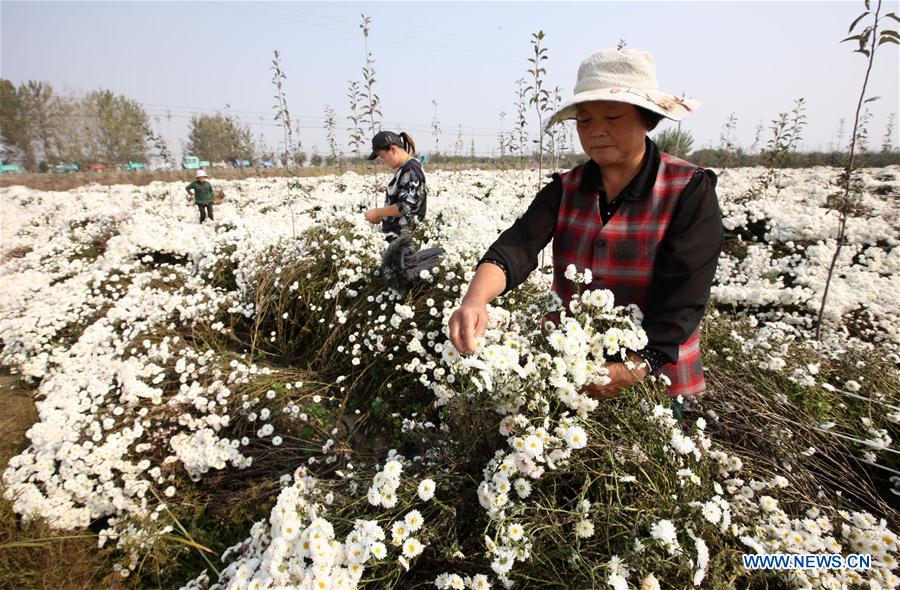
(384, 140)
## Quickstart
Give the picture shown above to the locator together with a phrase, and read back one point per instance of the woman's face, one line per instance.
(611, 133)
(391, 156)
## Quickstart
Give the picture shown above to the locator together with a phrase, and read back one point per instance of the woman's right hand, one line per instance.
(372, 216)
(466, 324)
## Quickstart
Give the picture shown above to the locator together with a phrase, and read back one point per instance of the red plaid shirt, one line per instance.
(620, 253)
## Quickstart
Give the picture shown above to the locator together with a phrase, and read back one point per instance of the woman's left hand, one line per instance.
(372, 216)
(621, 377)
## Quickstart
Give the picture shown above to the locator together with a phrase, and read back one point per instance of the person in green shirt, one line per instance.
(203, 195)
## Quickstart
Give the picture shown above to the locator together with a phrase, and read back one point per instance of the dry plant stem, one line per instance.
(436, 128)
(281, 109)
(372, 99)
(758, 415)
(188, 540)
(41, 542)
(848, 173)
(539, 96)
(355, 133)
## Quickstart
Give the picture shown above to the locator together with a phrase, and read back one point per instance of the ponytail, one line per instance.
(408, 144)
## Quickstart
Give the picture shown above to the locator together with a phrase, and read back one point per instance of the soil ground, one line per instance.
(32, 555)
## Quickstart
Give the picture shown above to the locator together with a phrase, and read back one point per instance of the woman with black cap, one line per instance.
(406, 194)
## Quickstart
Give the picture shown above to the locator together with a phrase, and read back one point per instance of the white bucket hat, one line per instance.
(623, 75)
(201, 172)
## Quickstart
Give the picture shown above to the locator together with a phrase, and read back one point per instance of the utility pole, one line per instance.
(169, 131)
(679, 122)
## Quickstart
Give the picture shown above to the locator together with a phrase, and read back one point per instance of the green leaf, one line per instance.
(189, 543)
(893, 16)
(856, 21)
(852, 37)
(888, 40)
(889, 33)
(873, 99)
(863, 43)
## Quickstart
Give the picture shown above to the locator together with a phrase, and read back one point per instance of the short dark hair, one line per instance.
(650, 118)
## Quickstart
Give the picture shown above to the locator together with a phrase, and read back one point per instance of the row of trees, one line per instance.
(39, 127)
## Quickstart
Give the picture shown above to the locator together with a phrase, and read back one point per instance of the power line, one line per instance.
(423, 44)
(187, 112)
(419, 26)
(158, 115)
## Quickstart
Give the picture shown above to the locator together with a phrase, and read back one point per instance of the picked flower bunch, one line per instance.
(563, 347)
(533, 368)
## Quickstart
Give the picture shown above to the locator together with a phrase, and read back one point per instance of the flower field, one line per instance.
(247, 405)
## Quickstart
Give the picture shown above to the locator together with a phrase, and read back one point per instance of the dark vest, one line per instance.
(620, 254)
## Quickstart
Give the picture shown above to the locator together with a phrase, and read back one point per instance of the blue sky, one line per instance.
(182, 58)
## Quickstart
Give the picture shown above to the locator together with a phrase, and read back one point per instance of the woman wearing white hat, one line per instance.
(647, 224)
(203, 195)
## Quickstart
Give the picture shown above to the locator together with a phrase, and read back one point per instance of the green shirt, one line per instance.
(203, 192)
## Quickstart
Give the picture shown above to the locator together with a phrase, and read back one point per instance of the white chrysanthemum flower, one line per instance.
(412, 547)
(426, 489)
(768, 503)
(533, 446)
(576, 437)
(780, 481)
(601, 299)
(712, 512)
(414, 520)
(681, 444)
(378, 550)
(664, 531)
(557, 340)
(515, 532)
(584, 529)
(449, 581)
(393, 468)
(450, 355)
(617, 582)
(522, 487)
(355, 552)
(399, 532)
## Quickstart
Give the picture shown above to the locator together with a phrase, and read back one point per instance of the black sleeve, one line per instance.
(684, 267)
(518, 247)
